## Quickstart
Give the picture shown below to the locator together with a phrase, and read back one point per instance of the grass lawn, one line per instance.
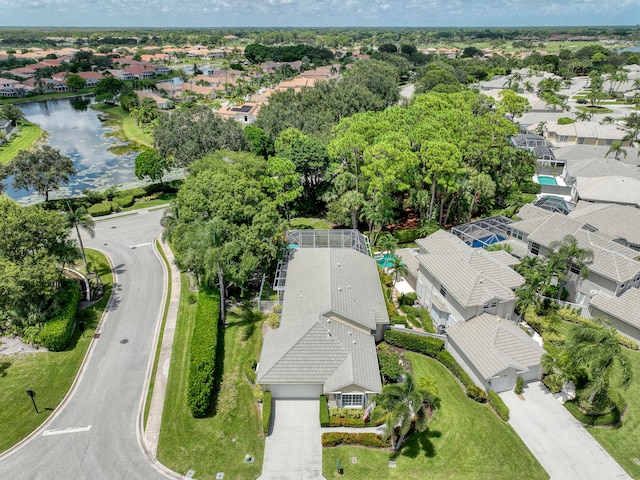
(129, 128)
(29, 133)
(232, 428)
(310, 224)
(45, 96)
(529, 197)
(465, 440)
(49, 374)
(622, 442)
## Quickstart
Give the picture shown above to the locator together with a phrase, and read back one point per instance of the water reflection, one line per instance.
(77, 132)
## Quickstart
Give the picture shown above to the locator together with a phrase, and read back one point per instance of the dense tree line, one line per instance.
(256, 53)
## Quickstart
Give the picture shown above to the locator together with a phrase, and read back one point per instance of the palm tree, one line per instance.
(583, 116)
(397, 267)
(632, 124)
(387, 243)
(608, 120)
(405, 405)
(169, 220)
(566, 255)
(80, 218)
(594, 348)
(617, 149)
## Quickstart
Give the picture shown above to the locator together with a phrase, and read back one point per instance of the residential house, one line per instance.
(598, 167)
(456, 282)
(333, 313)
(622, 222)
(623, 311)
(609, 189)
(246, 113)
(540, 148)
(494, 352)
(584, 133)
(161, 102)
(122, 74)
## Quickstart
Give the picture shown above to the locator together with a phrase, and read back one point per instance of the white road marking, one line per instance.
(140, 245)
(62, 431)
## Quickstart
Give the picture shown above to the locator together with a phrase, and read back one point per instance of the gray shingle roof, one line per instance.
(577, 152)
(494, 344)
(599, 167)
(626, 307)
(309, 347)
(622, 190)
(620, 221)
(409, 257)
(441, 242)
(529, 210)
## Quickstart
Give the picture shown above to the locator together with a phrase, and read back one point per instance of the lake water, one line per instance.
(80, 136)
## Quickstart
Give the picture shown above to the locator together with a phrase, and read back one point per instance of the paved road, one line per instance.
(559, 442)
(102, 412)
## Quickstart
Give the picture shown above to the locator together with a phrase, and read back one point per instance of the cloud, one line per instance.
(252, 13)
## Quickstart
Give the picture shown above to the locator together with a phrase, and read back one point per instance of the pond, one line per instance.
(79, 134)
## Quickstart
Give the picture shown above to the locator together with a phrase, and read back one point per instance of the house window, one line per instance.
(443, 291)
(517, 234)
(580, 140)
(352, 400)
(535, 248)
(490, 307)
(563, 138)
(575, 269)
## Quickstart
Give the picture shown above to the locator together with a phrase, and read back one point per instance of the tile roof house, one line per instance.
(583, 133)
(457, 282)
(332, 314)
(598, 167)
(246, 113)
(620, 221)
(607, 189)
(494, 352)
(623, 311)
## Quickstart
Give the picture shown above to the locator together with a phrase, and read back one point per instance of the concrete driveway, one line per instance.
(293, 451)
(559, 442)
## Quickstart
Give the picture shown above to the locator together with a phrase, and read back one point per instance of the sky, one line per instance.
(317, 13)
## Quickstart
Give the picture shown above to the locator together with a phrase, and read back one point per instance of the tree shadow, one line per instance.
(218, 374)
(4, 366)
(418, 442)
(119, 269)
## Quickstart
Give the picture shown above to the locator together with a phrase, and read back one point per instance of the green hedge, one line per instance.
(519, 386)
(333, 439)
(100, 209)
(422, 314)
(611, 418)
(416, 343)
(406, 236)
(202, 355)
(399, 320)
(55, 333)
(498, 405)
(324, 411)
(266, 412)
(124, 201)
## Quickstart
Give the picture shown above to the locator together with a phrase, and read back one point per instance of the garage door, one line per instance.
(502, 384)
(296, 391)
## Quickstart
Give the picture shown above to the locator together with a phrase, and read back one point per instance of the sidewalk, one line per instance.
(152, 432)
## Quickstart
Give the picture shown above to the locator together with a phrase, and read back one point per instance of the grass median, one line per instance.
(49, 374)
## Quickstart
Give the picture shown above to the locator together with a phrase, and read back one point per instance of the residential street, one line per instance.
(95, 434)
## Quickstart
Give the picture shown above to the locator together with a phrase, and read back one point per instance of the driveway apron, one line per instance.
(293, 451)
(560, 443)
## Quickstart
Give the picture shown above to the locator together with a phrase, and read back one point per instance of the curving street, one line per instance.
(94, 435)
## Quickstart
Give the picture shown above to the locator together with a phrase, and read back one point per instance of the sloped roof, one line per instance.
(529, 210)
(409, 257)
(577, 152)
(441, 241)
(625, 308)
(620, 221)
(612, 189)
(553, 228)
(601, 167)
(492, 345)
(333, 302)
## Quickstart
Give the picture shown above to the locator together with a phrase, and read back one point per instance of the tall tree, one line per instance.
(617, 149)
(568, 256)
(513, 104)
(12, 113)
(44, 169)
(80, 218)
(149, 164)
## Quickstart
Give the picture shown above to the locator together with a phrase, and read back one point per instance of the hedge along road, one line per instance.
(96, 432)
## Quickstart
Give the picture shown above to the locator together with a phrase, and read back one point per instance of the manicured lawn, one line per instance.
(49, 374)
(45, 96)
(622, 442)
(219, 442)
(310, 223)
(129, 128)
(465, 440)
(26, 137)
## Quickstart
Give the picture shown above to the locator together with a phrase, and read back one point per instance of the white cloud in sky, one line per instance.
(212, 13)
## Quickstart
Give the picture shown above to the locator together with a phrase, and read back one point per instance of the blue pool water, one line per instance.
(385, 261)
(489, 240)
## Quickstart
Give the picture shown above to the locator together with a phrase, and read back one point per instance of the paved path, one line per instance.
(293, 450)
(96, 432)
(559, 442)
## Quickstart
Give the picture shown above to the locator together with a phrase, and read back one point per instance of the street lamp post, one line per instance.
(32, 394)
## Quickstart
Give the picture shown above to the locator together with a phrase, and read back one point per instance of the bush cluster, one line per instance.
(498, 405)
(100, 209)
(258, 394)
(390, 366)
(406, 236)
(399, 320)
(476, 393)
(421, 315)
(124, 201)
(333, 439)
(202, 356)
(519, 386)
(56, 332)
(266, 412)
(408, 298)
(324, 411)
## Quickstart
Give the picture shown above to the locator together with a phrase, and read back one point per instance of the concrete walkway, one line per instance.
(152, 432)
(559, 442)
(293, 450)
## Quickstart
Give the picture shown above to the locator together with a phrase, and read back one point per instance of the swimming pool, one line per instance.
(546, 180)
(385, 260)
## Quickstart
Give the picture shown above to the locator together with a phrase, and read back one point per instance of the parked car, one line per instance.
(582, 101)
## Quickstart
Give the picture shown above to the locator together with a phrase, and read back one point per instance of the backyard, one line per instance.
(49, 374)
(231, 428)
(465, 439)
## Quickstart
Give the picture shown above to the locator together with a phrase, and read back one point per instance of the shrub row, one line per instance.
(56, 332)
(398, 320)
(347, 422)
(422, 314)
(124, 201)
(100, 209)
(202, 356)
(266, 412)
(389, 361)
(611, 418)
(324, 411)
(498, 405)
(332, 439)
(434, 347)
